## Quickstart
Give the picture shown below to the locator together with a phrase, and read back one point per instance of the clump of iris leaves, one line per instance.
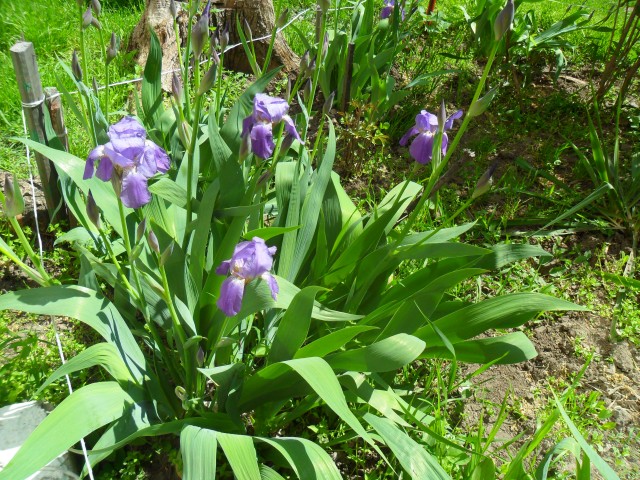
(241, 294)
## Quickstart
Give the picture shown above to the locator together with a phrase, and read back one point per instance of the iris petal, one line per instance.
(405, 138)
(269, 109)
(135, 192)
(231, 293)
(421, 148)
(262, 140)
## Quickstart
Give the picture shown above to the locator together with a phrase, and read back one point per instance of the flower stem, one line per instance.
(35, 259)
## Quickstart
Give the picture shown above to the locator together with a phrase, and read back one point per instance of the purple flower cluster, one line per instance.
(387, 10)
(128, 160)
(267, 112)
(250, 260)
(426, 127)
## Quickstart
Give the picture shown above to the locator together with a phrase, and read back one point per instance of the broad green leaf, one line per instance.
(308, 460)
(294, 326)
(268, 473)
(507, 311)
(201, 233)
(81, 413)
(485, 470)
(384, 356)
(312, 204)
(88, 307)
(566, 445)
(257, 296)
(332, 341)
(605, 470)
(170, 191)
(316, 372)
(413, 457)
(102, 354)
(267, 233)
(198, 448)
(510, 348)
(152, 81)
(241, 455)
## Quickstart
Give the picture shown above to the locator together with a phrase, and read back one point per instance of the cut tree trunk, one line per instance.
(158, 17)
(260, 16)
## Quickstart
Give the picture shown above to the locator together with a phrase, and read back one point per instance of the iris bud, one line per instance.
(504, 20)
(153, 242)
(87, 17)
(200, 357)
(304, 62)
(247, 30)
(93, 212)
(13, 201)
(176, 87)
(224, 38)
(479, 106)
(282, 19)
(173, 8)
(97, 8)
(326, 108)
(287, 92)
(485, 182)
(442, 116)
(75, 66)
(324, 5)
(112, 49)
(200, 32)
(166, 254)
(208, 80)
(142, 227)
(325, 45)
(306, 92)
(95, 86)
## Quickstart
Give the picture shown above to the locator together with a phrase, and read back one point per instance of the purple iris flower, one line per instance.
(250, 260)
(387, 10)
(128, 160)
(267, 112)
(426, 127)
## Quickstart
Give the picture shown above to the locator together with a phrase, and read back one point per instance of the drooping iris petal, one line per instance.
(421, 148)
(273, 285)
(449, 123)
(105, 169)
(445, 143)
(410, 133)
(250, 260)
(154, 154)
(262, 140)
(269, 109)
(231, 293)
(135, 192)
(247, 125)
(290, 127)
(386, 12)
(94, 155)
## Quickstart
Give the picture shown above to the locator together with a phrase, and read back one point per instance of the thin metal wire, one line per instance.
(41, 252)
(177, 70)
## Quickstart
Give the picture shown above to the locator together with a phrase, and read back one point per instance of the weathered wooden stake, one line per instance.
(24, 63)
(54, 105)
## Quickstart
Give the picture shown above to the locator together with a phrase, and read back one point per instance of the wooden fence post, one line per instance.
(24, 63)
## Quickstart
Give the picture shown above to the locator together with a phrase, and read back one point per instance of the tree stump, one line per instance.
(158, 17)
(260, 16)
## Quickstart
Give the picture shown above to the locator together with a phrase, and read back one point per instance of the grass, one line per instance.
(531, 124)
